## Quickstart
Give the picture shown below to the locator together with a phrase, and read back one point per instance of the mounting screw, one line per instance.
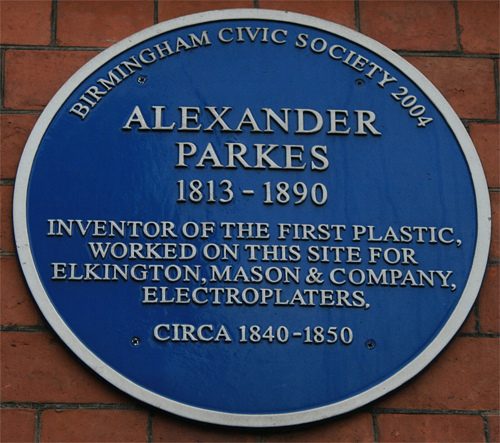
(370, 344)
(359, 82)
(135, 341)
(142, 79)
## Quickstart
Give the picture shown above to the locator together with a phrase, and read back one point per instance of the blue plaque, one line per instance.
(252, 218)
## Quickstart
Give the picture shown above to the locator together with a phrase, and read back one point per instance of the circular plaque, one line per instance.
(252, 218)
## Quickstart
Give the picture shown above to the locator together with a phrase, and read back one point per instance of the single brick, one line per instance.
(410, 25)
(6, 230)
(354, 428)
(489, 303)
(464, 376)
(17, 306)
(478, 24)
(357, 427)
(337, 11)
(25, 22)
(101, 24)
(430, 428)
(93, 426)
(14, 132)
(17, 425)
(35, 367)
(168, 9)
(468, 84)
(493, 428)
(495, 226)
(486, 138)
(469, 325)
(33, 77)
(170, 428)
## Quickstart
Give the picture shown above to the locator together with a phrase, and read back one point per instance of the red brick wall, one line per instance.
(48, 395)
